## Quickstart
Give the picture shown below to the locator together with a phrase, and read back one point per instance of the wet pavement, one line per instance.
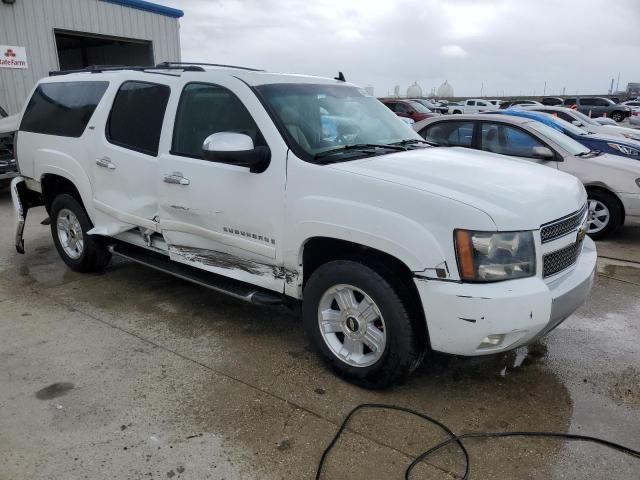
(134, 374)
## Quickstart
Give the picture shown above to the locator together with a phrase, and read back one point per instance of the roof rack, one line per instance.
(111, 68)
(172, 64)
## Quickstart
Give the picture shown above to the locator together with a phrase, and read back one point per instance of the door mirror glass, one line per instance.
(577, 123)
(542, 153)
(236, 149)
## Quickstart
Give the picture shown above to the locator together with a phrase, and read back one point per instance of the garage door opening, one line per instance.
(78, 50)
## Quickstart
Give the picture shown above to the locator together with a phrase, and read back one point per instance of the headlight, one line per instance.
(624, 149)
(492, 257)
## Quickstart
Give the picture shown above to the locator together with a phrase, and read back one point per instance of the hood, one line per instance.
(616, 130)
(9, 124)
(516, 194)
(612, 137)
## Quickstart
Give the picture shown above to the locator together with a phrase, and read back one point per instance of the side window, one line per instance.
(565, 116)
(507, 140)
(471, 103)
(207, 109)
(390, 106)
(588, 101)
(569, 101)
(599, 102)
(402, 108)
(449, 134)
(136, 117)
(62, 108)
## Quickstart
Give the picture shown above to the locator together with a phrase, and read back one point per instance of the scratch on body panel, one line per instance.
(213, 258)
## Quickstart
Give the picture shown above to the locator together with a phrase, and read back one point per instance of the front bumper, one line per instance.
(461, 315)
(8, 175)
(631, 202)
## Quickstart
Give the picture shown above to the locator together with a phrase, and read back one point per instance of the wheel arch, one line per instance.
(317, 251)
(604, 189)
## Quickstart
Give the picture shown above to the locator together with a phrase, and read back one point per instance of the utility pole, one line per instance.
(611, 87)
(544, 92)
(481, 88)
(618, 83)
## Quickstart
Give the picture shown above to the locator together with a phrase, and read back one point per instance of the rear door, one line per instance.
(124, 162)
(455, 133)
(221, 217)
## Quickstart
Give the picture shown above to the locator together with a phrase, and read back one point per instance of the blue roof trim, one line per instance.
(149, 7)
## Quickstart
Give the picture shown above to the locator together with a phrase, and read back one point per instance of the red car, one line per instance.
(409, 109)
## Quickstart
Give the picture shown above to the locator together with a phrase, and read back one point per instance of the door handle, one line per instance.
(105, 162)
(176, 178)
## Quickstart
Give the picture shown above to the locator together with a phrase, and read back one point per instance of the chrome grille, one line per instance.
(559, 260)
(559, 228)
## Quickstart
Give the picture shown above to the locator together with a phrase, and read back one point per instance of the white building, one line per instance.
(39, 36)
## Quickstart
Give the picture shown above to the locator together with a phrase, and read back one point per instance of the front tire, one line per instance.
(360, 325)
(605, 214)
(69, 226)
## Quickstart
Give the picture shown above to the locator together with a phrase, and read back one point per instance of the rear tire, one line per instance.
(617, 116)
(69, 226)
(605, 214)
(360, 325)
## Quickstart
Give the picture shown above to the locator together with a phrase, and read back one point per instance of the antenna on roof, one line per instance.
(340, 77)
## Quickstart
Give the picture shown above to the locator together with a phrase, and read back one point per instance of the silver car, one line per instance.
(581, 120)
(612, 182)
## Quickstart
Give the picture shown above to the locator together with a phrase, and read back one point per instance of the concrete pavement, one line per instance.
(134, 374)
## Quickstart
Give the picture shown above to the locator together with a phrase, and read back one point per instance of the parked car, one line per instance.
(612, 182)
(496, 103)
(598, 107)
(225, 177)
(8, 167)
(431, 105)
(409, 109)
(508, 104)
(589, 124)
(606, 143)
(472, 105)
(632, 103)
(551, 101)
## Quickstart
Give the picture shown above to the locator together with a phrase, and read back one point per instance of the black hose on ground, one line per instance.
(458, 439)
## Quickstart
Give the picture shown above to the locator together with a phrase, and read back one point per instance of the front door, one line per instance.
(216, 216)
(511, 140)
(124, 160)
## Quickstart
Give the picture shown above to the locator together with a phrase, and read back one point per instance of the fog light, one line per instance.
(491, 341)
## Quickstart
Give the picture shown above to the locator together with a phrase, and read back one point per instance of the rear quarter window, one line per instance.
(62, 108)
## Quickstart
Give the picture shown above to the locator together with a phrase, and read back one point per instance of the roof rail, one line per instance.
(112, 68)
(172, 64)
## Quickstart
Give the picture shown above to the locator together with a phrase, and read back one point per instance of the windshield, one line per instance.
(583, 118)
(568, 126)
(567, 143)
(320, 118)
(419, 107)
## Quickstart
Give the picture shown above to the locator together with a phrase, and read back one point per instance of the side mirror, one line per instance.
(236, 149)
(543, 153)
(577, 123)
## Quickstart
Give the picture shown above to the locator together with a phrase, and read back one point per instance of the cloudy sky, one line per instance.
(510, 46)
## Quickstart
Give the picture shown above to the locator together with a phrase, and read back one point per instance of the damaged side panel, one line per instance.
(23, 199)
(249, 270)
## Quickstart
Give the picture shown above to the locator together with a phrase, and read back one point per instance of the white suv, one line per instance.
(275, 188)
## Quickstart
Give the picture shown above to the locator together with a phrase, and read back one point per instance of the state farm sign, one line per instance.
(13, 57)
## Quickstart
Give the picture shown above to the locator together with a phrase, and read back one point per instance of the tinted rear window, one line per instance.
(62, 109)
(136, 117)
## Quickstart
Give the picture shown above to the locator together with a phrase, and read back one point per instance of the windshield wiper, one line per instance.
(358, 146)
(412, 141)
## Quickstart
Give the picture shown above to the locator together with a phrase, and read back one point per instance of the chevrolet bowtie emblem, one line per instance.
(582, 232)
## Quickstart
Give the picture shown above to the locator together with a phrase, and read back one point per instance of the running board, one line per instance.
(234, 288)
